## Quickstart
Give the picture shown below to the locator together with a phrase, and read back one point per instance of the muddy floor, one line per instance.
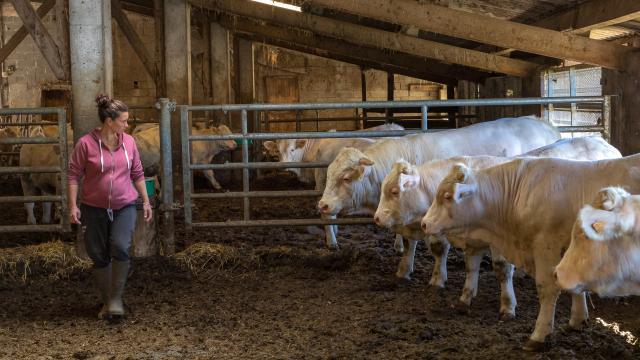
(281, 295)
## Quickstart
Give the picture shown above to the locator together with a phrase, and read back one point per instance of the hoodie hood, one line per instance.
(95, 134)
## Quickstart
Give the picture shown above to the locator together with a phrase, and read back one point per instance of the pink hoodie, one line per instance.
(107, 175)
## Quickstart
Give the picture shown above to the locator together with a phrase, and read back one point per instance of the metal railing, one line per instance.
(61, 140)
(245, 136)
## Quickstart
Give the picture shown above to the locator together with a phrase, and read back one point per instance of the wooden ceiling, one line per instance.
(569, 25)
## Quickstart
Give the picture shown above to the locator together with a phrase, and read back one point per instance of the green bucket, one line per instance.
(239, 141)
(150, 184)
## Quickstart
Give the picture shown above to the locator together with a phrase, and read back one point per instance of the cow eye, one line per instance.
(448, 196)
(395, 191)
(346, 179)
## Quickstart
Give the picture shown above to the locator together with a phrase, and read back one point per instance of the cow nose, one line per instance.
(423, 226)
(322, 206)
(376, 220)
(555, 275)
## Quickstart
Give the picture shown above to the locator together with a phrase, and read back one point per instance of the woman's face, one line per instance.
(119, 125)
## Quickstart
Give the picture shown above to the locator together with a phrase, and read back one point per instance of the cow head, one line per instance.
(224, 144)
(456, 204)
(604, 254)
(345, 188)
(400, 202)
(287, 150)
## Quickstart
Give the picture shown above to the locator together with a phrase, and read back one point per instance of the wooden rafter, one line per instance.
(134, 40)
(372, 37)
(41, 37)
(592, 15)
(484, 29)
(418, 67)
(19, 35)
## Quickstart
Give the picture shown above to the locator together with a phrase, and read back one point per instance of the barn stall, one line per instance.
(229, 276)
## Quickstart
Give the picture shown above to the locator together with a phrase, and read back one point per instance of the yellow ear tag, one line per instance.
(598, 226)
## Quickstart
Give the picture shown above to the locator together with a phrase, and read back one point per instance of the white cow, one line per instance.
(354, 177)
(320, 150)
(409, 190)
(148, 142)
(604, 255)
(34, 184)
(526, 209)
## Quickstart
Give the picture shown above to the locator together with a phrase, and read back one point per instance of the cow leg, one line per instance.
(28, 189)
(504, 273)
(547, 296)
(46, 212)
(399, 244)
(472, 260)
(209, 175)
(579, 311)
(330, 235)
(405, 268)
(440, 249)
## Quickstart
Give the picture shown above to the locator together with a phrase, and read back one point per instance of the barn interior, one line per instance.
(249, 291)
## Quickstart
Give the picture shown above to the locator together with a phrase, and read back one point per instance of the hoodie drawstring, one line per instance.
(101, 158)
(126, 155)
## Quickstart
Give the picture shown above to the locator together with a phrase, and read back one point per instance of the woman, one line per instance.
(107, 161)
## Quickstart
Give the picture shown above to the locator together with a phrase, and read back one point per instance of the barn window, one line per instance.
(573, 81)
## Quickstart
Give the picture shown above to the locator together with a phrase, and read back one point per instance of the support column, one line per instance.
(390, 93)
(177, 47)
(220, 65)
(91, 60)
(625, 129)
(245, 72)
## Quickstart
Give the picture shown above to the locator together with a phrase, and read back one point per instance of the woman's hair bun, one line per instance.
(103, 100)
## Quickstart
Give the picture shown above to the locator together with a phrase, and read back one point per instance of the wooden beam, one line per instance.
(487, 30)
(592, 15)
(338, 50)
(372, 37)
(41, 37)
(19, 35)
(133, 38)
(161, 84)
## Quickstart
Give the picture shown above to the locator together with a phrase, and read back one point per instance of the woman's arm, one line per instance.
(74, 212)
(146, 205)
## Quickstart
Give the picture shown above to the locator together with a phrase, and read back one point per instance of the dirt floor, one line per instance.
(277, 293)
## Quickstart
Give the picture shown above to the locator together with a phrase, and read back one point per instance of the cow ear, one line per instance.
(597, 224)
(300, 143)
(365, 161)
(408, 169)
(461, 191)
(270, 145)
(461, 173)
(408, 181)
(610, 198)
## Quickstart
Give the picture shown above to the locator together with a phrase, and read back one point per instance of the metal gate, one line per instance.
(61, 169)
(246, 194)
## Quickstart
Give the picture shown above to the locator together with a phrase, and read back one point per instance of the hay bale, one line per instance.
(200, 256)
(56, 259)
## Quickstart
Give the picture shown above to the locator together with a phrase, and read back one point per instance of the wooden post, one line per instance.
(390, 93)
(451, 94)
(363, 87)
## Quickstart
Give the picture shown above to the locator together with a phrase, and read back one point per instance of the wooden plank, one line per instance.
(487, 30)
(372, 37)
(161, 85)
(592, 15)
(341, 51)
(133, 38)
(19, 35)
(41, 37)
(62, 23)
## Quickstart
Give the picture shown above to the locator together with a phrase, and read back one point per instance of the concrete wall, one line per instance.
(323, 80)
(25, 70)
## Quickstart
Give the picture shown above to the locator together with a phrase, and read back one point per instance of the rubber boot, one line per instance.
(102, 278)
(119, 273)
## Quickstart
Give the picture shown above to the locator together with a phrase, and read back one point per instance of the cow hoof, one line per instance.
(533, 345)
(574, 327)
(400, 281)
(436, 291)
(334, 247)
(461, 308)
(507, 316)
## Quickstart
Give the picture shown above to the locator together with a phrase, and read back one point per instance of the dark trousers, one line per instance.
(105, 239)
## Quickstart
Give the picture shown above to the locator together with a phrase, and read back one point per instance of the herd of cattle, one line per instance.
(559, 209)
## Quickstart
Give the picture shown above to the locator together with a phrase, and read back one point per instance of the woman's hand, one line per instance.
(146, 207)
(74, 214)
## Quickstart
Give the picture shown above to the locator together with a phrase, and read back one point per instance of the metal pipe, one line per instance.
(27, 199)
(399, 104)
(309, 135)
(425, 118)
(31, 140)
(29, 170)
(286, 222)
(32, 111)
(64, 165)
(260, 165)
(31, 228)
(257, 194)
(580, 128)
(245, 170)
(185, 133)
(165, 107)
